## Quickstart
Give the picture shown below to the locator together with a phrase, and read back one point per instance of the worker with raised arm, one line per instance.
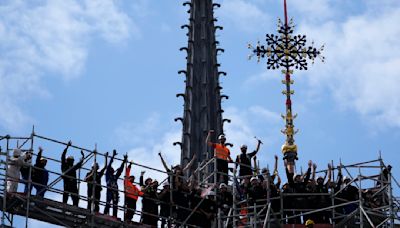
(243, 160)
(222, 154)
(112, 185)
(69, 176)
(132, 193)
(93, 178)
(40, 175)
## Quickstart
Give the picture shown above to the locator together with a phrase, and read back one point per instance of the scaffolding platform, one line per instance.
(61, 214)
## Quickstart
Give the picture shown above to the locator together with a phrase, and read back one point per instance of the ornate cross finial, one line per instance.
(287, 52)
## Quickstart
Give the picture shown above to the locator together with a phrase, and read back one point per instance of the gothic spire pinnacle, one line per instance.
(202, 97)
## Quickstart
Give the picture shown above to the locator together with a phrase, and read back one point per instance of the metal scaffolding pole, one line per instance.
(29, 182)
(391, 211)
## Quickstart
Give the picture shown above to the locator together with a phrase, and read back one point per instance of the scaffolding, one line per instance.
(272, 211)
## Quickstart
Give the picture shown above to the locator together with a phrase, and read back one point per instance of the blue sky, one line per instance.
(105, 72)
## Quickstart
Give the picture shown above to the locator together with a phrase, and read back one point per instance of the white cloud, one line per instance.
(362, 58)
(50, 37)
(246, 15)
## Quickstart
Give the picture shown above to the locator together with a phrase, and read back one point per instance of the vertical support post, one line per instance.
(360, 202)
(281, 201)
(255, 216)
(268, 196)
(391, 211)
(234, 197)
(93, 185)
(3, 217)
(219, 218)
(28, 195)
(215, 171)
(333, 208)
(171, 196)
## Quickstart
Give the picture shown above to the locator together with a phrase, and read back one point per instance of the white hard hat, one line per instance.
(223, 185)
(221, 136)
(253, 178)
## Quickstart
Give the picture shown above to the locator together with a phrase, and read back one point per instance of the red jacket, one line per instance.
(131, 190)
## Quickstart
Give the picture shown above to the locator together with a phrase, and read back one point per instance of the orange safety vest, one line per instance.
(131, 190)
(221, 151)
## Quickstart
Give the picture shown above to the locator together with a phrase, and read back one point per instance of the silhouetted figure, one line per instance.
(40, 175)
(93, 179)
(112, 185)
(69, 176)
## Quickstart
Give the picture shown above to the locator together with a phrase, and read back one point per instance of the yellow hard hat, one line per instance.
(309, 222)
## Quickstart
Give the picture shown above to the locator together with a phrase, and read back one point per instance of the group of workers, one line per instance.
(183, 200)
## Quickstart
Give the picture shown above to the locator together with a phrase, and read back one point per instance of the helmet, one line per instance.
(310, 222)
(166, 183)
(223, 185)
(243, 146)
(253, 178)
(70, 158)
(221, 136)
(296, 175)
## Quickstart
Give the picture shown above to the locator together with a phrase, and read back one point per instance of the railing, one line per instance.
(265, 212)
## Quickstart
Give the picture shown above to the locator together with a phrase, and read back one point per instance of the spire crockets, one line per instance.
(202, 97)
(287, 51)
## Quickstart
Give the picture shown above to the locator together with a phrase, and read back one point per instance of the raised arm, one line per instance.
(308, 174)
(63, 155)
(79, 164)
(163, 162)
(190, 164)
(329, 174)
(252, 154)
(121, 168)
(39, 156)
(105, 166)
(208, 138)
(141, 181)
(314, 168)
(276, 165)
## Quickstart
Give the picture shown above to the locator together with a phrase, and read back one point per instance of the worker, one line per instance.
(25, 171)
(222, 154)
(94, 178)
(132, 194)
(112, 185)
(149, 201)
(244, 160)
(40, 175)
(69, 176)
(15, 163)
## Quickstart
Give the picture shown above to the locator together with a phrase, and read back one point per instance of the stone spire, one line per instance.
(202, 97)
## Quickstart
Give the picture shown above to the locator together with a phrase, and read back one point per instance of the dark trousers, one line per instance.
(130, 205)
(71, 190)
(96, 200)
(222, 168)
(112, 196)
(40, 190)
